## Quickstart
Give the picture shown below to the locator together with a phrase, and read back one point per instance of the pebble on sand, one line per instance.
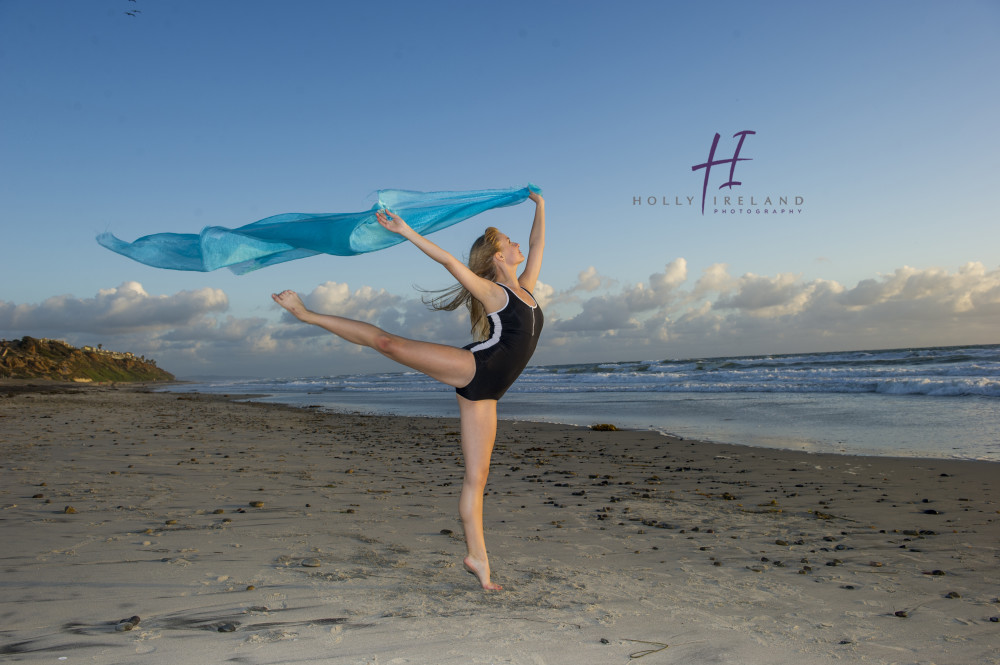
(311, 563)
(127, 624)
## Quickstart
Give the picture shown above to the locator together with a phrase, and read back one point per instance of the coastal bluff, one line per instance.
(31, 358)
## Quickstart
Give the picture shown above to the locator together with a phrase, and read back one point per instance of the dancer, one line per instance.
(506, 320)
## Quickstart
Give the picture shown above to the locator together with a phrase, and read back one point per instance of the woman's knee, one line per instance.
(476, 478)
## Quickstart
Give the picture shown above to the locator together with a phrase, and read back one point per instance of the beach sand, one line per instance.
(255, 533)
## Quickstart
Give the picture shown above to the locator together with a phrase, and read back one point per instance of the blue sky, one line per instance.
(880, 116)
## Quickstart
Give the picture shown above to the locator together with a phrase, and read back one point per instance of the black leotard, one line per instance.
(500, 359)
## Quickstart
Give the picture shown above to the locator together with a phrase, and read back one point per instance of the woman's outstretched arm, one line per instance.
(483, 290)
(536, 246)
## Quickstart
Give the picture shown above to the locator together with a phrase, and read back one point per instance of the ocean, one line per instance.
(941, 402)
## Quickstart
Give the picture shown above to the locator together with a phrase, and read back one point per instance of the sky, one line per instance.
(868, 216)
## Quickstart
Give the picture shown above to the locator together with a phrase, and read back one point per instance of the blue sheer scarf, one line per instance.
(293, 236)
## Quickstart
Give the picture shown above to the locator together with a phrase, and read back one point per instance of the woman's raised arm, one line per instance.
(536, 246)
(483, 290)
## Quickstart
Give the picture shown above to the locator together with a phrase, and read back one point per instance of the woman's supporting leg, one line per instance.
(479, 429)
(452, 366)
(447, 364)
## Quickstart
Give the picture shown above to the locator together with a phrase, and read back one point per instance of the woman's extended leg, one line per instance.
(479, 429)
(447, 364)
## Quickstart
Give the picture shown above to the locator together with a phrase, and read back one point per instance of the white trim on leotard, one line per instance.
(497, 327)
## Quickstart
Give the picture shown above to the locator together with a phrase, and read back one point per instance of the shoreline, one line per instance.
(693, 428)
(729, 554)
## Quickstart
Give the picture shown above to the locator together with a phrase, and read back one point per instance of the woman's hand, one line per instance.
(391, 221)
(536, 197)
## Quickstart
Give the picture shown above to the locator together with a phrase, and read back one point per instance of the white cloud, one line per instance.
(543, 294)
(662, 288)
(619, 311)
(725, 315)
(127, 308)
(766, 296)
(715, 279)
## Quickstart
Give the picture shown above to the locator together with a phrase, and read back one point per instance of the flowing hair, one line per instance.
(481, 263)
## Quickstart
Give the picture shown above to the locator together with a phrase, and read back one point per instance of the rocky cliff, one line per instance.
(30, 358)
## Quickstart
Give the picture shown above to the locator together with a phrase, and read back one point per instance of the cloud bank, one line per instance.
(594, 319)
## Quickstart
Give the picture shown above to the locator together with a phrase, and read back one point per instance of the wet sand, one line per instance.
(266, 534)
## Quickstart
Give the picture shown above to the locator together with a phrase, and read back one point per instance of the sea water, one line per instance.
(926, 402)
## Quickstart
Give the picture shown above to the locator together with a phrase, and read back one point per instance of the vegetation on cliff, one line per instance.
(30, 358)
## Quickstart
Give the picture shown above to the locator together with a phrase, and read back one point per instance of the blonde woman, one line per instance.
(506, 322)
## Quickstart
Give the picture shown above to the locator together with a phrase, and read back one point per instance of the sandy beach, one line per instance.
(254, 533)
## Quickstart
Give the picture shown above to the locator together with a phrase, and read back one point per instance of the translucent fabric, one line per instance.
(293, 236)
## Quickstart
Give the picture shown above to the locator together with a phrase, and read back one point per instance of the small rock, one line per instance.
(782, 543)
(902, 614)
(446, 532)
(311, 563)
(228, 627)
(953, 594)
(69, 510)
(127, 624)
(605, 640)
(250, 587)
(256, 504)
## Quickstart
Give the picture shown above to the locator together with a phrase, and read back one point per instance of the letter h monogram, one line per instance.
(712, 161)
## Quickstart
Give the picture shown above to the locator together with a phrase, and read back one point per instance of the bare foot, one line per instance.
(290, 300)
(482, 572)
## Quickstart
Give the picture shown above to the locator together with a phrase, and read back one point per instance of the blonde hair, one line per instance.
(481, 263)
